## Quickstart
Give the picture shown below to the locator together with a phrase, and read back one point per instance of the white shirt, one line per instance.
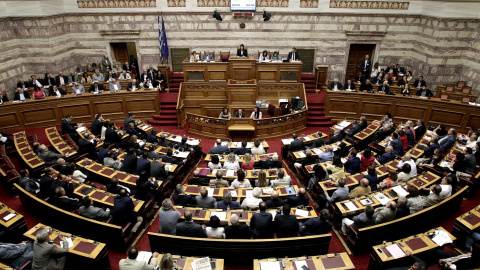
(214, 166)
(38, 83)
(238, 184)
(446, 191)
(231, 165)
(150, 85)
(133, 87)
(115, 87)
(216, 233)
(251, 202)
(413, 172)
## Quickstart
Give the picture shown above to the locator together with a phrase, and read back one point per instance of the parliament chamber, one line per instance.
(297, 134)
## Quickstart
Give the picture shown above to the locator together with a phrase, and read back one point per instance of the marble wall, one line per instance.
(444, 50)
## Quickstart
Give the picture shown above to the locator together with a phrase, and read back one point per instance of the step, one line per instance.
(318, 118)
(167, 112)
(311, 91)
(165, 117)
(168, 107)
(313, 113)
(308, 81)
(163, 122)
(321, 123)
(310, 86)
(308, 76)
(174, 85)
(315, 107)
(179, 80)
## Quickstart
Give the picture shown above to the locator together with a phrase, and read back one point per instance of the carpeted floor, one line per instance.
(360, 261)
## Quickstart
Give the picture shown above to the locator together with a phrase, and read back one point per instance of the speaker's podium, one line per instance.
(242, 68)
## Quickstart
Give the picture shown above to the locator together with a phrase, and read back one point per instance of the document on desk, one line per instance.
(182, 154)
(317, 151)
(249, 145)
(301, 212)
(202, 264)
(287, 141)
(220, 215)
(230, 173)
(233, 192)
(270, 266)
(396, 251)
(168, 167)
(400, 191)
(351, 206)
(307, 139)
(210, 191)
(344, 124)
(69, 241)
(366, 201)
(301, 154)
(9, 216)
(267, 190)
(441, 238)
(193, 142)
(382, 198)
(300, 264)
(81, 129)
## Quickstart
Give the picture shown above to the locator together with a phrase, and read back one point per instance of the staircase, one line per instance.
(316, 111)
(309, 81)
(168, 111)
(175, 79)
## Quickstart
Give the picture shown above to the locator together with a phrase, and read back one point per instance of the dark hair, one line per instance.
(412, 191)
(215, 159)
(337, 162)
(240, 175)
(406, 168)
(369, 211)
(353, 152)
(389, 115)
(320, 173)
(23, 172)
(286, 209)
(169, 152)
(371, 170)
(145, 154)
(262, 206)
(395, 135)
(214, 222)
(132, 252)
(367, 153)
(86, 201)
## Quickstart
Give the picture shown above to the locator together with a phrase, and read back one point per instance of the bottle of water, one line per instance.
(228, 208)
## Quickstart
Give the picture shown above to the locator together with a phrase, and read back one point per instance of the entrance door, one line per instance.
(120, 51)
(307, 56)
(178, 56)
(356, 56)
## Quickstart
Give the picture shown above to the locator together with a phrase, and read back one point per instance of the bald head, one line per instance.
(234, 220)
(275, 157)
(364, 182)
(302, 192)
(219, 142)
(196, 173)
(274, 194)
(389, 149)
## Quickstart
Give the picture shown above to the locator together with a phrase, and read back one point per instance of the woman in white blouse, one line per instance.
(214, 230)
(215, 163)
(375, 70)
(263, 56)
(231, 163)
(256, 114)
(241, 182)
(75, 174)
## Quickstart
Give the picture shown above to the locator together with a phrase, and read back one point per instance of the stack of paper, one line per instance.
(233, 192)
(182, 154)
(400, 191)
(267, 190)
(81, 129)
(168, 167)
(224, 143)
(270, 266)
(344, 124)
(307, 138)
(287, 141)
(220, 215)
(145, 127)
(382, 198)
(441, 238)
(301, 212)
(249, 145)
(69, 241)
(9, 216)
(317, 151)
(230, 173)
(210, 191)
(366, 201)
(202, 264)
(301, 154)
(351, 206)
(300, 264)
(396, 251)
(193, 142)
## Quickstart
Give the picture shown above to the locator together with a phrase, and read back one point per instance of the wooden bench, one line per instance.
(361, 240)
(33, 162)
(114, 236)
(240, 252)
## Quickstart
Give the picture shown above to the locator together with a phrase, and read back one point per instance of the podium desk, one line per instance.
(335, 261)
(185, 263)
(85, 253)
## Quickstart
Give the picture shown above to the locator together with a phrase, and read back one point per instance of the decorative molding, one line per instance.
(117, 33)
(116, 3)
(272, 3)
(308, 3)
(213, 3)
(369, 4)
(176, 3)
(365, 33)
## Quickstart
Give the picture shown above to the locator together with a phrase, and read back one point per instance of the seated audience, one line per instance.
(272, 163)
(242, 150)
(61, 200)
(225, 114)
(257, 148)
(296, 144)
(262, 180)
(46, 255)
(261, 222)
(404, 175)
(335, 85)
(248, 163)
(385, 213)
(132, 263)
(88, 210)
(29, 184)
(274, 201)
(366, 160)
(470, 260)
(218, 182)
(340, 194)
(235, 230)
(168, 218)
(111, 161)
(219, 148)
(256, 114)
(363, 189)
(315, 226)
(227, 202)
(231, 163)
(205, 201)
(414, 200)
(352, 165)
(214, 230)
(48, 156)
(214, 163)
(286, 225)
(387, 157)
(188, 228)
(123, 212)
(16, 255)
(241, 182)
(251, 203)
(327, 155)
(407, 159)
(362, 220)
(301, 199)
(402, 207)
(336, 168)
(180, 198)
(372, 178)
(282, 180)
(390, 181)
(434, 197)
(424, 92)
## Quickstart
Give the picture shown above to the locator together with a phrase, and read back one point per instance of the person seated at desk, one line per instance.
(73, 77)
(48, 80)
(286, 225)
(335, 85)
(207, 57)
(132, 263)
(3, 97)
(21, 95)
(261, 222)
(16, 255)
(160, 79)
(225, 114)
(315, 226)
(293, 55)
(256, 114)
(420, 83)
(115, 86)
(219, 148)
(263, 57)
(240, 113)
(242, 150)
(97, 76)
(205, 201)
(257, 148)
(57, 92)
(366, 86)
(62, 201)
(218, 182)
(48, 156)
(241, 181)
(275, 56)
(282, 180)
(149, 84)
(215, 231)
(384, 89)
(362, 220)
(34, 81)
(88, 210)
(469, 260)
(78, 89)
(350, 86)
(22, 84)
(424, 92)
(235, 230)
(188, 228)
(386, 213)
(96, 88)
(110, 76)
(363, 189)
(242, 52)
(46, 255)
(38, 93)
(194, 57)
(61, 80)
(270, 163)
(125, 76)
(29, 184)
(405, 90)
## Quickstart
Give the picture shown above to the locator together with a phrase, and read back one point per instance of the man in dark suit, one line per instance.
(20, 94)
(45, 183)
(70, 128)
(318, 142)
(296, 144)
(114, 187)
(23, 84)
(300, 199)
(410, 135)
(129, 119)
(151, 72)
(387, 157)
(242, 150)
(143, 164)
(337, 136)
(384, 89)
(219, 148)
(398, 70)
(144, 76)
(235, 230)
(62, 201)
(286, 225)
(397, 145)
(168, 158)
(64, 182)
(111, 136)
(293, 55)
(132, 130)
(87, 144)
(133, 85)
(152, 136)
(130, 161)
(123, 211)
(157, 169)
(190, 228)
(163, 141)
(352, 166)
(180, 198)
(365, 67)
(197, 180)
(424, 92)
(150, 84)
(420, 129)
(419, 83)
(240, 113)
(366, 86)
(29, 184)
(274, 201)
(315, 226)
(449, 140)
(335, 85)
(356, 128)
(363, 123)
(97, 125)
(270, 163)
(261, 223)
(350, 86)
(96, 87)
(61, 80)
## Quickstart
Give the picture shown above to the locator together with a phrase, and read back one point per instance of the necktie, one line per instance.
(293, 56)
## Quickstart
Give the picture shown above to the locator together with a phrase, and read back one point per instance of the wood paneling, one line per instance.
(355, 57)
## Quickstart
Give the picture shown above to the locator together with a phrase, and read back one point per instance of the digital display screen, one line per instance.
(240, 5)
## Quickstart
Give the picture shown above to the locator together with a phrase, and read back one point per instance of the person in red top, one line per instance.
(38, 93)
(366, 160)
(247, 163)
(403, 138)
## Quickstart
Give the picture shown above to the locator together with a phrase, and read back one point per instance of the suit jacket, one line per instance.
(470, 163)
(129, 163)
(142, 164)
(171, 160)
(114, 189)
(50, 157)
(45, 184)
(239, 52)
(366, 64)
(422, 84)
(128, 264)
(334, 139)
(92, 88)
(69, 128)
(352, 166)
(29, 184)
(123, 210)
(428, 93)
(15, 255)
(410, 137)
(94, 212)
(397, 147)
(219, 149)
(420, 131)
(318, 142)
(296, 145)
(96, 127)
(241, 231)
(286, 226)
(65, 80)
(290, 56)
(386, 90)
(45, 255)
(297, 200)
(112, 136)
(96, 78)
(143, 77)
(365, 87)
(218, 183)
(25, 85)
(384, 214)
(207, 202)
(352, 86)
(268, 164)
(130, 84)
(332, 86)
(362, 220)
(183, 199)
(86, 146)
(387, 157)
(190, 229)
(127, 121)
(354, 130)
(210, 57)
(25, 94)
(402, 212)
(432, 199)
(275, 203)
(157, 170)
(66, 204)
(238, 115)
(241, 151)
(50, 81)
(112, 86)
(315, 226)
(262, 225)
(448, 142)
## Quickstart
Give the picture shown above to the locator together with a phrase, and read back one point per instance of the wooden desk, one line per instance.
(351, 182)
(367, 132)
(85, 253)
(251, 175)
(299, 155)
(255, 158)
(241, 192)
(185, 263)
(336, 261)
(277, 71)
(466, 224)
(58, 143)
(352, 105)
(174, 138)
(14, 226)
(26, 152)
(416, 244)
(51, 111)
(307, 140)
